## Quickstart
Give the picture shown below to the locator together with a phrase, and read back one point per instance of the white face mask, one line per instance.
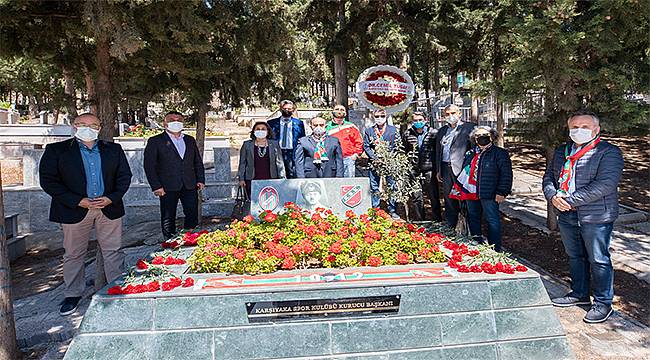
(175, 126)
(86, 134)
(260, 134)
(380, 120)
(318, 131)
(453, 119)
(580, 136)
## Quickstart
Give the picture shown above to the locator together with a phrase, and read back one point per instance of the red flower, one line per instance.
(239, 253)
(402, 258)
(473, 252)
(336, 248)
(411, 227)
(350, 214)
(499, 266)
(289, 263)
(115, 290)
(521, 268)
(279, 235)
(188, 282)
(475, 269)
(353, 244)
(463, 269)
(248, 219)
(232, 233)
(153, 286)
(158, 260)
(316, 217)
(392, 233)
(331, 258)
(270, 217)
(374, 261)
(508, 269)
(170, 244)
(141, 265)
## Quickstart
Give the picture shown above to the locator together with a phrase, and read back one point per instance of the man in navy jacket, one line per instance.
(581, 182)
(380, 131)
(87, 179)
(287, 130)
(312, 162)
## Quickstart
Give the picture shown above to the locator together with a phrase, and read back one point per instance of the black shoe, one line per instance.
(598, 313)
(570, 300)
(69, 305)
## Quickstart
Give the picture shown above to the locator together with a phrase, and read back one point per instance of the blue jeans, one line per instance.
(490, 210)
(374, 189)
(349, 167)
(587, 246)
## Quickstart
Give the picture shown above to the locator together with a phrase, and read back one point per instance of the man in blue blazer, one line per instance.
(371, 136)
(319, 155)
(287, 130)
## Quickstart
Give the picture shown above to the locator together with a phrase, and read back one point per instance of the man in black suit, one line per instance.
(319, 155)
(174, 169)
(87, 179)
(452, 142)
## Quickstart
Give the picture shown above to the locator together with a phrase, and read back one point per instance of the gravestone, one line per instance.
(423, 311)
(336, 194)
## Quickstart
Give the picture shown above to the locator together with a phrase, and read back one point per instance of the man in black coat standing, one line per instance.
(87, 179)
(452, 142)
(420, 141)
(174, 169)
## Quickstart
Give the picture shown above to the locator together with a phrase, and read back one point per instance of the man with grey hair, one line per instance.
(581, 182)
(452, 142)
(287, 131)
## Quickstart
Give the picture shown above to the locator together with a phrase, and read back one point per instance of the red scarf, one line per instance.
(569, 162)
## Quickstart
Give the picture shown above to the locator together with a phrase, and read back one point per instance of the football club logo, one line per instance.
(351, 195)
(268, 198)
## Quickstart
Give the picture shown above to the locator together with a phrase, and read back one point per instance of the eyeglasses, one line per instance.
(451, 113)
(92, 126)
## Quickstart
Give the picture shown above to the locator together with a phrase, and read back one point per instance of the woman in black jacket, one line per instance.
(484, 182)
(260, 158)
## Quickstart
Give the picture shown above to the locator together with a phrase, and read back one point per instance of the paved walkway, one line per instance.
(630, 247)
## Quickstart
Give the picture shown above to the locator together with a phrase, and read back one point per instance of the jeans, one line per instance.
(374, 189)
(349, 167)
(429, 184)
(190, 201)
(587, 246)
(452, 206)
(489, 208)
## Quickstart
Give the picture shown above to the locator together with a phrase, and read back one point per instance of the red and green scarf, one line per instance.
(569, 162)
(320, 154)
(465, 184)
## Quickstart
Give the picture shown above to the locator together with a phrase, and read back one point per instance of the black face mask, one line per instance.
(483, 140)
(286, 113)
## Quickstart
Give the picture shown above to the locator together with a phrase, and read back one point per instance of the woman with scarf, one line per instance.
(318, 155)
(260, 158)
(483, 183)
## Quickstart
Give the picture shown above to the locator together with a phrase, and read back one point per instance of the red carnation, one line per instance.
(239, 253)
(153, 286)
(475, 269)
(402, 258)
(473, 252)
(463, 269)
(158, 260)
(336, 248)
(521, 268)
(141, 265)
(188, 282)
(331, 258)
(374, 261)
(115, 290)
(270, 217)
(289, 263)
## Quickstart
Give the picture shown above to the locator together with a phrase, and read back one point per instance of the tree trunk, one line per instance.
(90, 90)
(70, 96)
(105, 107)
(436, 74)
(200, 143)
(341, 64)
(427, 86)
(8, 348)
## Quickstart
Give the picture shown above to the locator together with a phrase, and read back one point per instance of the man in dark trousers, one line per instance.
(420, 140)
(174, 169)
(87, 179)
(319, 155)
(287, 130)
(452, 142)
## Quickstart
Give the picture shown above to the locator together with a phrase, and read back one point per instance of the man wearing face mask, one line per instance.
(452, 142)
(380, 131)
(420, 139)
(87, 179)
(483, 183)
(581, 182)
(319, 155)
(287, 131)
(174, 169)
(349, 137)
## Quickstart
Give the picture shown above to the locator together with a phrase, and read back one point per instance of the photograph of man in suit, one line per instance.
(452, 142)
(174, 169)
(319, 155)
(287, 131)
(312, 195)
(86, 179)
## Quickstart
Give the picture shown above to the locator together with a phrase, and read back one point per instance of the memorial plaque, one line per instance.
(272, 311)
(336, 194)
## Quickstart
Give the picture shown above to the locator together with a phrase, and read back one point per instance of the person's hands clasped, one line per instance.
(439, 177)
(85, 203)
(159, 192)
(200, 186)
(560, 203)
(100, 203)
(499, 198)
(242, 183)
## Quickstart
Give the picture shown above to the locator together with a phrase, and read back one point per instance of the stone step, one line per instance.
(149, 210)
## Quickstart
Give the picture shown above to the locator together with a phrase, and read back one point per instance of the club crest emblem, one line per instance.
(268, 198)
(351, 195)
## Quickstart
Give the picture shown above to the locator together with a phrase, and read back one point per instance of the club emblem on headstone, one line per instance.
(268, 198)
(351, 195)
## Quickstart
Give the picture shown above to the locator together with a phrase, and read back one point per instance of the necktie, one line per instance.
(285, 134)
